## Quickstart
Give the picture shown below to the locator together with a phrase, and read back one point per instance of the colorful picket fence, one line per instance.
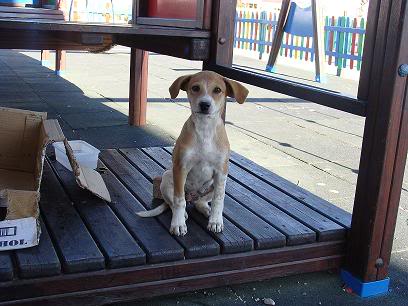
(343, 37)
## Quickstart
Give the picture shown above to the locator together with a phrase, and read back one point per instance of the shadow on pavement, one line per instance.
(25, 84)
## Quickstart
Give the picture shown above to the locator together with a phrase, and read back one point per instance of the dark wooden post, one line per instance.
(138, 80)
(45, 58)
(318, 42)
(138, 87)
(222, 38)
(385, 143)
(60, 62)
(60, 55)
(278, 35)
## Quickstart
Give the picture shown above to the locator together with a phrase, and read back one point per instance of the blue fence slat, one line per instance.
(343, 56)
(346, 41)
(343, 29)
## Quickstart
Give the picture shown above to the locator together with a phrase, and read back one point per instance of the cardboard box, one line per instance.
(24, 136)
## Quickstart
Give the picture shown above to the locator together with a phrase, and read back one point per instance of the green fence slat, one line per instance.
(360, 44)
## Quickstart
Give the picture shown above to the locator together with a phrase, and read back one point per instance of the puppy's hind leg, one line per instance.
(202, 205)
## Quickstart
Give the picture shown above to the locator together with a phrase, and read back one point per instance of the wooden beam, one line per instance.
(87, 27)
(294, 89)
(132, 291)
(222, 32)
(369, 41)
(222, 36)
(145, 274)
(384, 148)
(188, 48)
(138, 87)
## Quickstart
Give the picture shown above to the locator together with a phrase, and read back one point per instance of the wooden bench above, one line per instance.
(30, 13)
(36, 32)
(12, 38)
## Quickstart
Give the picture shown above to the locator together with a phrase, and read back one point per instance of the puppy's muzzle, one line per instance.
(204, 107)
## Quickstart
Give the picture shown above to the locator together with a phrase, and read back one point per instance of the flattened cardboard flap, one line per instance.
(53, 130)
(87, 178)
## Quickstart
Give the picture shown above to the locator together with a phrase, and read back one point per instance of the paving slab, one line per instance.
(74, 102)
(98, 119)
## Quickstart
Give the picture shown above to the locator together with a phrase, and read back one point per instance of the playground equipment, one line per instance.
(303, 22)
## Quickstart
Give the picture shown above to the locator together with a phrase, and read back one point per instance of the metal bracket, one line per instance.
(403, 70)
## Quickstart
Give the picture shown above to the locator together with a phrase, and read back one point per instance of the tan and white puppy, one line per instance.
(201, 154)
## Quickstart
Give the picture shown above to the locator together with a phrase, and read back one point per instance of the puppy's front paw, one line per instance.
(178, 229)
(216, 226)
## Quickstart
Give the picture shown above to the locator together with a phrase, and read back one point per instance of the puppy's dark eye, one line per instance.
(195, 88)
(217, 90)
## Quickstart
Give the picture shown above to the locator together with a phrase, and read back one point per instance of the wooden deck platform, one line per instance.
(92, 252)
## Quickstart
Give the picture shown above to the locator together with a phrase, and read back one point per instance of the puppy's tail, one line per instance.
(153, 212)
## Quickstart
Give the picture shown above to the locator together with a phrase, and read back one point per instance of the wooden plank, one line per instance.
(139, 62)
(295, 231)
(325, 228)
(149, 273)
(325, 208)
(197, 243)
(156, 240)
(38, 261)
(179, 23)
(78, 251)
(115, 242)
(232, 239)
(131, 291)
(27, 10)
(6, 266)
(89, 27)
(264, 235)
(46, 40)
(31, 16)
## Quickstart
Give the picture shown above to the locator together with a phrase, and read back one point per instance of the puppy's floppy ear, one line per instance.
(236, 90)
(179, 83)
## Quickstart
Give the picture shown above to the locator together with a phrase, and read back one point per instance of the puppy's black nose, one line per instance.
(204, 106)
